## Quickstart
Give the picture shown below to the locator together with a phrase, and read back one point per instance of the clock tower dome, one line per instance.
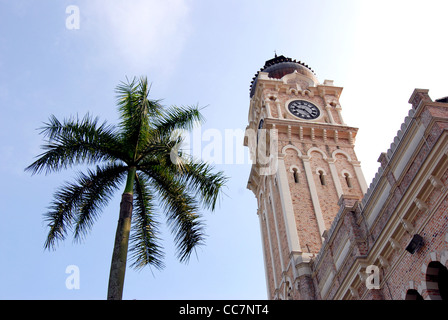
(303, 162)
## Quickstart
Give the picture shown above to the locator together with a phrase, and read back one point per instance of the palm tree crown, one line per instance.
(142, 151)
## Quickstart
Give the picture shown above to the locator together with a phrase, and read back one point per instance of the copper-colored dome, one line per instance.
(280, 66)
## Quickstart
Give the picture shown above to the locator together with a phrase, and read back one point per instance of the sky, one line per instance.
(66, 58)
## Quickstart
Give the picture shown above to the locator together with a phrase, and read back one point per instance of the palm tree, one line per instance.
(142, 152)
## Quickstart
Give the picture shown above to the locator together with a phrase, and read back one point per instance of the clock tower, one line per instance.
(303, 162)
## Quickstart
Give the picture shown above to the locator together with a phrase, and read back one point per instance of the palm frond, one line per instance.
(136, 110)
(76, 142)
(181, 209)
(78, 203)
(61, 213)
(99, 187)
(159, 149)
(145, 249)
(178, 118)
(199, 176)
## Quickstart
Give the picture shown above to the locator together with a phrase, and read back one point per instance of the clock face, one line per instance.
(304, 109)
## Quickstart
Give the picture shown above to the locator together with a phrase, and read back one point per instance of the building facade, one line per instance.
(326, 234)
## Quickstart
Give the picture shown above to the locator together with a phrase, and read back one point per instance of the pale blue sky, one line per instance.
(193, 52)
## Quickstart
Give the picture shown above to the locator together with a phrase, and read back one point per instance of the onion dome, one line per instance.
(280, 66)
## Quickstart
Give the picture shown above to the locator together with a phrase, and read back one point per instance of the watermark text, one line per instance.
(72, 22)
(73, 280)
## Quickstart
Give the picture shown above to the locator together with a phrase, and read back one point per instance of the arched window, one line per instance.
(321, 177)
(413, 294)
(295, 174)
(348, 180)
(437, 274)
(260, 127)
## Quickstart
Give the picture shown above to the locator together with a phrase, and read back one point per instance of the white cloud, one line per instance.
(139, 33)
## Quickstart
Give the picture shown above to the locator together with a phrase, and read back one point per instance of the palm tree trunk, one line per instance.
(119, 255)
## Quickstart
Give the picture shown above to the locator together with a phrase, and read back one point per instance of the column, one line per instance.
(338, 110)
(334, 175)
(260, 218)
(360, 176)
(314, 196)
(288, 210)
(274, 213)
(330, 116)
(274, 273)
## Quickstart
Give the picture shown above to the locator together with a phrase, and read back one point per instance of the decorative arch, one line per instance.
(437, 281)
(316, 149)
(435, 285)
(290, 146)
(293, 91)
(308, 93)
(345, 173)
(319, 170)
(412, 292)
(339, 151)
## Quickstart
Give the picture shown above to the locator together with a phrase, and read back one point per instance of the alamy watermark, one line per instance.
(226, 147)
(373, 278)
(72, 22)
(74, 278)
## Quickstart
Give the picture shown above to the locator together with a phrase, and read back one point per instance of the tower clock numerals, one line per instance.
(304, 109)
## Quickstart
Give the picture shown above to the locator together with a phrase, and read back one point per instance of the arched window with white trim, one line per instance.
(321, 174)
(348, 180)
(295, 173)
